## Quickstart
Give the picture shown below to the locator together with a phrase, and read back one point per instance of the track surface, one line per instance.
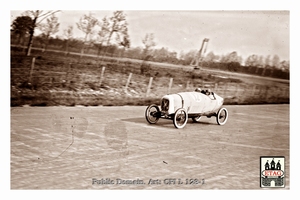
(66, 147)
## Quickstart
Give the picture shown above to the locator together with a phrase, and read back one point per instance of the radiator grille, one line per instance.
(164, 104)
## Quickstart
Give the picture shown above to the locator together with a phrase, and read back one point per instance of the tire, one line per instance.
(150, 114)
(180, 118)
(222, 116)
(196, 119)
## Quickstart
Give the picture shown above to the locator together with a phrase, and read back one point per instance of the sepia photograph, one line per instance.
(146, 99)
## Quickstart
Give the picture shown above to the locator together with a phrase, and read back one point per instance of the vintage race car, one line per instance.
(181, 106)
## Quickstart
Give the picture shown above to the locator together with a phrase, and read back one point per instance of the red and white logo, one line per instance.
(272, 171)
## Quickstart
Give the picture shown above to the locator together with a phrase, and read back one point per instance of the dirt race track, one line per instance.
(74, 147)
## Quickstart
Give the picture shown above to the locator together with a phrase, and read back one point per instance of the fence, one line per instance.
(120, 80)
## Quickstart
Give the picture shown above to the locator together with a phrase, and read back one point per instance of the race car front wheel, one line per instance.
(152, 114)
(180, 118)
(222, 116)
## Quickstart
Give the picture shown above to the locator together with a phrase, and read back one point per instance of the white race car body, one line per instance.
(181, 106)
(195, 103)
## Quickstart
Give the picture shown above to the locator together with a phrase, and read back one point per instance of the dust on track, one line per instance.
(66, 147)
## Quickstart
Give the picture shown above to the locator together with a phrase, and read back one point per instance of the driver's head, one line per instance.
(208, 91)
(198, 90)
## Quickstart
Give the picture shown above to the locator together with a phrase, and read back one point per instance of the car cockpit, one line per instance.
(207, 92)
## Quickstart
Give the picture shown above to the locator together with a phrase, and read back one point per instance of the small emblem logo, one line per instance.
(272, 171)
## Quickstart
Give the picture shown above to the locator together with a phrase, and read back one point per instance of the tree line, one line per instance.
(109, 36)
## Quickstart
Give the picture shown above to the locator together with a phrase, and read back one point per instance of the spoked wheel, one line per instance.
(152, 114)
(180, 118)
(196, 119)
(222, 116)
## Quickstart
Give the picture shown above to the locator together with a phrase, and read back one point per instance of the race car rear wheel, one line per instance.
(180, 118)
(222, 116)
(151, 114)
(196, 119)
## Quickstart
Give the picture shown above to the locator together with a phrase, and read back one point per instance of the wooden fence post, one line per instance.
(170, 85)
(264, 71)
(237, 90)
(278, 93)
(254, 90)
(236, 95)
(266, 93)
(31, 69)
(68, 72)
(216, 87)
(287, 93)
(51, 80)
(128, 81)
(149, 86)
(260, 89)
(225, 90)
(101, 76)
(187, 85)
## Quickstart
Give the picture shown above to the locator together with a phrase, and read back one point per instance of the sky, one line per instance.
(246, 32)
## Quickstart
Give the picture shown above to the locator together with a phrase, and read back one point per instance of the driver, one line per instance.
(198, 90)
(208, 92)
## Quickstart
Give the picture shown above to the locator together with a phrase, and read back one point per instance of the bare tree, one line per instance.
(21, 27)
(260, 64)
(117, 24)
(124, 40)
(102, 35)
(68, 33)
(187, 57)
(285, 65)
(116, 28)
(148, 41)
(267, 61)
(252, 60)
(276, 61)
(49, 28)
(37, 17)
(261, 61)
(210, 57)
(232, 57)
(86, 24)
